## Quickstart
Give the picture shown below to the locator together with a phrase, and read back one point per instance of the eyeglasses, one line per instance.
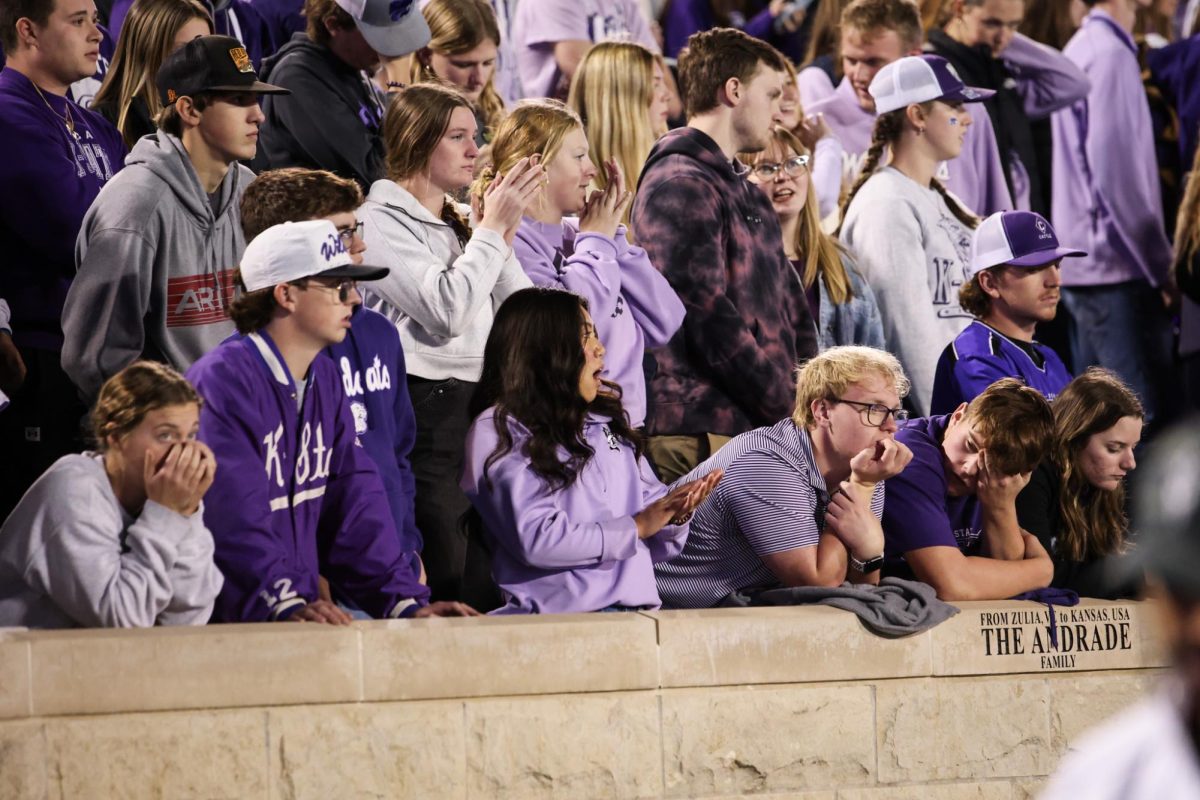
(874, 415)
(347, 234)
(767, 170)
(343, 288)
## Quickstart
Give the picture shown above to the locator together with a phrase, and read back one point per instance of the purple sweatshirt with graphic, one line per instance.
(632, 304)
(976, 177)
(295, 495)
(48, 179)
(1106, 197)
(574, 549)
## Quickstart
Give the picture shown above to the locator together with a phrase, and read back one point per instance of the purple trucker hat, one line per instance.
(919, 79)
(1016, 238)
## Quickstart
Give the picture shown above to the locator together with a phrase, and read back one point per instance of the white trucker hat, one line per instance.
(1018, 239)
(296, 250)
(919, 79)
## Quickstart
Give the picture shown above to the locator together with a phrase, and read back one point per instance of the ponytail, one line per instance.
(956, 208)
(451, 216)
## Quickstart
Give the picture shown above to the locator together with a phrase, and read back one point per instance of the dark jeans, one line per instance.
(41, 425)
(1124, 327)
(437, 457)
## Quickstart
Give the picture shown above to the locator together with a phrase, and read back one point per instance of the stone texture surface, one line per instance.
(1080, 702)
(990, 638)
(385, 750)
(551, 654)
(1028, 788)
(215, 666)
(739, 741)
(15, 698)
(993, 790)
(722, 647)
(963, 729)
(22, 761)
(564, 746)
(205, 754)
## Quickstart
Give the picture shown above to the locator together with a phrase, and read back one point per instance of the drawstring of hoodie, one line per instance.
(1051, 597)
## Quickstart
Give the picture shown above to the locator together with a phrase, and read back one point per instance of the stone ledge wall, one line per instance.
(775, 703)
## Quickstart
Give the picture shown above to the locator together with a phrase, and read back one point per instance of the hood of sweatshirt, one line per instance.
(165, 157)
(306, 49)
(696, 145)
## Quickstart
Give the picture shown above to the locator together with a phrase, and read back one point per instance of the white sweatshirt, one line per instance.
(71, 556)
(440, 296)
(912, 251)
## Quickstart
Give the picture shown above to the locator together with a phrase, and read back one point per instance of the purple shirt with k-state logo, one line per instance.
(919, 511)
(48, 179)
(292, 481)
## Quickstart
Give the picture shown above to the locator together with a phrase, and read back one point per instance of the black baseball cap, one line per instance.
(209, 64)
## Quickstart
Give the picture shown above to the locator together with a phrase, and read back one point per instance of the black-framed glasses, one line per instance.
(342, 287)
(347, 234)
(874, 415)
(767, 170)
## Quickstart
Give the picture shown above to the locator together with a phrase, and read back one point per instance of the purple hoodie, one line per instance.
(1106, 197)
(976, 177)
(49, 180)
(295, 494)
(575, 549)
(632, 304)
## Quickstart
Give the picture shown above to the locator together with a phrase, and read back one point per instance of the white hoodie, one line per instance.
(441, 296)
(71, 556)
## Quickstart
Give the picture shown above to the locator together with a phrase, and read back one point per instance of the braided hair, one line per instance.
(888, 127)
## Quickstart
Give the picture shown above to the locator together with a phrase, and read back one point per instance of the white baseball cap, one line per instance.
(1018, 239)
(393, 28)
(296, 250)
(919, 79)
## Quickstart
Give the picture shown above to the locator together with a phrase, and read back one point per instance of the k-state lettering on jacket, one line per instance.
(295, 495)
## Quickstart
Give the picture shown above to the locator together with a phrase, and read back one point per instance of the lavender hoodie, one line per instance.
(295, 495)
(1105, 191)
(976, 177)
(575, 549)
(632, 304)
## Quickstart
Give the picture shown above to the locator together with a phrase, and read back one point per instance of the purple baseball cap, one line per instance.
(1018, 239)
(919, 79)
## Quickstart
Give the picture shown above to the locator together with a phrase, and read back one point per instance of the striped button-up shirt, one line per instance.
(771, 500)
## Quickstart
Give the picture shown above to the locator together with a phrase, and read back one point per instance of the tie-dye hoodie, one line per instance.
(716, 239)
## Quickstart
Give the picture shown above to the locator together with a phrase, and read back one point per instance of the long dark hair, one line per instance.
(531, 367)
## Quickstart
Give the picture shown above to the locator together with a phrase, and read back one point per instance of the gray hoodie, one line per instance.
(155, 266)
(71, 556)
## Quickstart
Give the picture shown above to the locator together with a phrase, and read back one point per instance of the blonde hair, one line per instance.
(459, 26)
(829, 374)
(822, 253)
(533, 127)
(611, 92)
(1187, 223)
(413, 126)
(147, 37)
(127, 397)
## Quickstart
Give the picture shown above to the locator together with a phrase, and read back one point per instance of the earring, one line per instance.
(920, 131)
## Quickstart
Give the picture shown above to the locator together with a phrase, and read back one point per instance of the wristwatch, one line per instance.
(868, 566)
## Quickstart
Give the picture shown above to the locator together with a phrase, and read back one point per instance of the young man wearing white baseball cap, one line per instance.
(1012, 285)
(297, 496)
(334, 119)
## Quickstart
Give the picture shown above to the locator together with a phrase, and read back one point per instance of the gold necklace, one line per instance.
(70, 123)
